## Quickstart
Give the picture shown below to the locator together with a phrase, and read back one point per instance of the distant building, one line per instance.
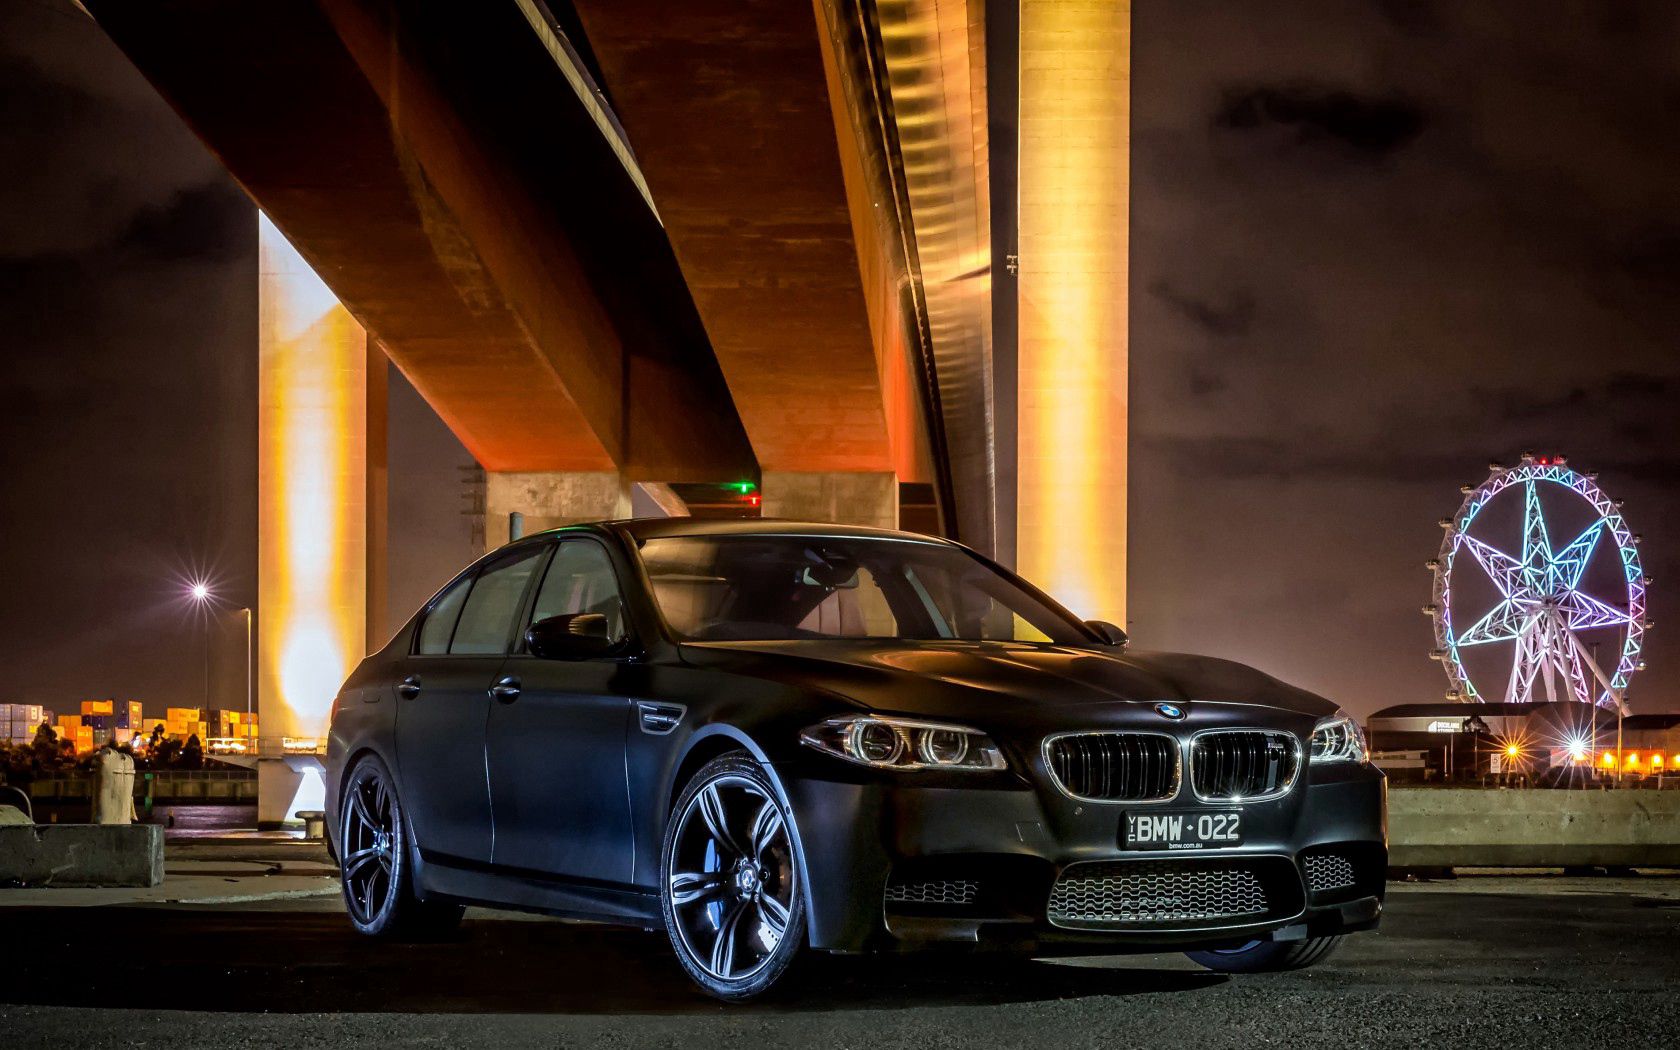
(1502, 738)
(73, 732)
(222, 731)
(18, 722)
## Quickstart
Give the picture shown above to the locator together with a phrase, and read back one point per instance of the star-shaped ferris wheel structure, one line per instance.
(1543, 608)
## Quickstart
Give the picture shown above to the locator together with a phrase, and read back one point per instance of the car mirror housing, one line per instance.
(576, 636)
(1110, 634)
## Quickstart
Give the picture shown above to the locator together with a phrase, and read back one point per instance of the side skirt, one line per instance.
(487, 885)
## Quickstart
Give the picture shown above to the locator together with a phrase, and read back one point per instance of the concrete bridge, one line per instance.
(823, 250)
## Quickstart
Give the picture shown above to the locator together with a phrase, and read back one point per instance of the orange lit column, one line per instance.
(1075, 134)
(313, 502)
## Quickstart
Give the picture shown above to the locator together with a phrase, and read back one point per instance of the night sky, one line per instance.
(1374, 247)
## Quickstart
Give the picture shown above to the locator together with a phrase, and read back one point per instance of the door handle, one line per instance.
(409, 687)
(506, 690)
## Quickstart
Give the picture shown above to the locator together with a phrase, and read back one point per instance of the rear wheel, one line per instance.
(732, 901)
(375, 861)
(1267, 956)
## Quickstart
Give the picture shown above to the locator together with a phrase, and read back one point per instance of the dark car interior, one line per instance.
(774, 588)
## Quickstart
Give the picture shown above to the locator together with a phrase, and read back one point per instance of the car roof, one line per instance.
(659, 528)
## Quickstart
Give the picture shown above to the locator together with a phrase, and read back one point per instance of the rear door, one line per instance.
(556, 737)
(443, 703)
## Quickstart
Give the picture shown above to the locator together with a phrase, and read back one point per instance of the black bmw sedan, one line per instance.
(770, 737)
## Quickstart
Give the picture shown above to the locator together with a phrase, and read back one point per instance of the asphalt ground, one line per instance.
(1502, 962)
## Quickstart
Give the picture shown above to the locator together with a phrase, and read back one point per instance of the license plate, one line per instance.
(1181, 829)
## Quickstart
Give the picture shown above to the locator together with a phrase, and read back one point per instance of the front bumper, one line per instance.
(1008, 842)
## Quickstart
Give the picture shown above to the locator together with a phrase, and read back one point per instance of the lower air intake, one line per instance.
(1156, 893)
(953, 892)
(1328, 872)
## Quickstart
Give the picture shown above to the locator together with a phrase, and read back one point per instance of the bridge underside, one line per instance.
(616, 241)
(446, 181)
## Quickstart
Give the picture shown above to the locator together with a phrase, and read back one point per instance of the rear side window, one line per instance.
(487, 618)
(440, 621)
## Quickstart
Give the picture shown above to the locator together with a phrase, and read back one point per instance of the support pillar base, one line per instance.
(841, 498)
(550, 500)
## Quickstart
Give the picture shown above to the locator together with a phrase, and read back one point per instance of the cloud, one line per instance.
(85, 142)
(1230, 316)
(1318, 115)
(205, 223)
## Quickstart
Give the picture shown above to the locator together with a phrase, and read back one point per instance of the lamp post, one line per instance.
(201, 594)
(250, 661)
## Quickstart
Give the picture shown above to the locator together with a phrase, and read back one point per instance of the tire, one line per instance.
(727, 868)
(1268, 956)
(376, 873)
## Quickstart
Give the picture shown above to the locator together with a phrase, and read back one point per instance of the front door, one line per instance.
(443, 705)
(556, 738)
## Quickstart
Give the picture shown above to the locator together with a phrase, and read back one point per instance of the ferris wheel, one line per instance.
(1501, 580)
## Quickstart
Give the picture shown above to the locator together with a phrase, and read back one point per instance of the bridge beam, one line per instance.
(733, 116)
(441, 174)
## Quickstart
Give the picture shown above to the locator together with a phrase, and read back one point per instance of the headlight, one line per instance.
(898, 743)
(1338, 739)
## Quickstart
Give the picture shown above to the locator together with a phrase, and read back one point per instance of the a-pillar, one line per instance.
(320, 517)
(549, 500)
(842, 498)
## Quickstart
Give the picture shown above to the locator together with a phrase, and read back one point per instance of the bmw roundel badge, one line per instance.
(1172, 711)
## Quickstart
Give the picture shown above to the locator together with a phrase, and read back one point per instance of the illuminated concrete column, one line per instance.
(1074, 191)
(549, 500)
(842, 497)
(316, 497)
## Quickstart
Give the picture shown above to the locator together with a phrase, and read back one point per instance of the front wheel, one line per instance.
(732, 901)
(1267, 956)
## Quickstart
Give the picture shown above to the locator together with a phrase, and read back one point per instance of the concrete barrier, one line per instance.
(1533, 828)
(81, 855)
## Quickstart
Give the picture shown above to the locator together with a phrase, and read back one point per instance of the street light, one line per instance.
(202, 594)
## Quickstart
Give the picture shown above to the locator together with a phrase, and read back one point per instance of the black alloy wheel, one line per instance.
(374, 861)
(732, 899)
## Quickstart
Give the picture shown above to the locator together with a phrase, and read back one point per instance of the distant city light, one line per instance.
(1609, 759)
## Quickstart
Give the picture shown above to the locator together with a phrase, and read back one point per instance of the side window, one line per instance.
(580, 580)
(487, 618)
(439, 623)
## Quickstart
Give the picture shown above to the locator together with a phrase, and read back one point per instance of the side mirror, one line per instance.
(576, 636)
(1110, 634)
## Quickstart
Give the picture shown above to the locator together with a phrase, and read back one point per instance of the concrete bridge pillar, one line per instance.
(1072, 355)
(320, 517)
(550, 499)
(842, 497)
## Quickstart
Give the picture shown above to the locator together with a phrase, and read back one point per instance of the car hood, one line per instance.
(980, 681)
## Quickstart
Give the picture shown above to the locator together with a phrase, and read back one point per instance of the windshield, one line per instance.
(773, 588)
